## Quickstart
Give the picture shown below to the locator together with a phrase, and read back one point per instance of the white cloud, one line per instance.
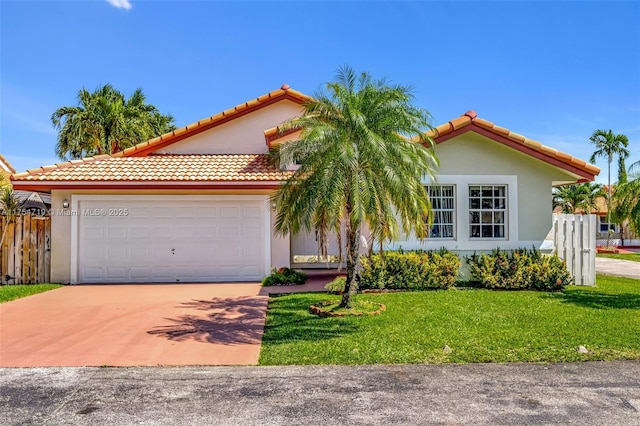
(120, 4)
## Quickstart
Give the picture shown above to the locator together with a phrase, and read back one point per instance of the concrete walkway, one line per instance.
(130, 325)
(589, 393)
(618, 267)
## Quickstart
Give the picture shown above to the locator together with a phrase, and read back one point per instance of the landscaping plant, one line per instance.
(363, 155)
(411, 270)
(284, 276)
(518, 270)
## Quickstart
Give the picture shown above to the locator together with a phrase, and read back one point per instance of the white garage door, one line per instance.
(171, 239)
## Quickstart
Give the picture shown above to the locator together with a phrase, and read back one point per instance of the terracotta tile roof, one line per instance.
(471, 122)
(6, 163)
(145, 148)
(159, 168)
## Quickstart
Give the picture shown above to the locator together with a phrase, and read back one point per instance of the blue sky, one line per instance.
(552, 71)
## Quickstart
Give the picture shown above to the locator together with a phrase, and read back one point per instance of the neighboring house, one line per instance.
(621, 235)
(37, 203)
(6, 169)
(192, 205)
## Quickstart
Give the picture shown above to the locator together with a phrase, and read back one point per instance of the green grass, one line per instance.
(478, 325)
(632, 256)
(12, 292)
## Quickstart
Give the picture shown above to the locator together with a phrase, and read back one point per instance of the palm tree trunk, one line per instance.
(609, 207)
(353, 251)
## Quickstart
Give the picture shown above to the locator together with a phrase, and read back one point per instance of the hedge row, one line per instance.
(519, 269)
(412, 270)
(421, 270)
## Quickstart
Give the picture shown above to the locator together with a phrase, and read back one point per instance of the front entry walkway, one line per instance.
(128, 325)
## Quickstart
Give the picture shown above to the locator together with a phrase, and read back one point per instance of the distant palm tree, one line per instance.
(359, 165)
(579, 198)
(104, 122)
(9, 205)
(627, 199)
(609, 145)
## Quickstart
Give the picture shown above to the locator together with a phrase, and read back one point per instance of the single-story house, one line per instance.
(620, 235)
(192, 205)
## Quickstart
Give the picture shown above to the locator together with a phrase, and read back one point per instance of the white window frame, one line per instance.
(462, 241)
(602, 220)
(437, 210)
(493, 210)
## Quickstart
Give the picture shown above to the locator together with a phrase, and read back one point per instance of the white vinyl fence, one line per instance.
(574, 238)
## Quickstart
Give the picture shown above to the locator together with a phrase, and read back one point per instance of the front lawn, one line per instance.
(627, 256)
(478, 326)
(12, 292)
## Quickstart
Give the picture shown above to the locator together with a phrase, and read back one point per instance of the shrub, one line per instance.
(337, 285)
(518, 270)
(412, 270)
(284, 276)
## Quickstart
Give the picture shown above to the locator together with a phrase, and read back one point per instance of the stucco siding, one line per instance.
(60, 238)
(473, 154)
(243, 135)
(472, 159)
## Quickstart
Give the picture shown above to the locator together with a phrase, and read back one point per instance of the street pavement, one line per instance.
(618, 267)
(590, 393)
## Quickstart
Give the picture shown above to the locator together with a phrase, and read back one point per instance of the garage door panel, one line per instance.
(172, 240)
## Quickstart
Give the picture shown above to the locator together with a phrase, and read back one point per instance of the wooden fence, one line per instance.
(25, 253)
(574, 238)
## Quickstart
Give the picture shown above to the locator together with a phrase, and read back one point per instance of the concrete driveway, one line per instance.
(618, 267)
(129, 325)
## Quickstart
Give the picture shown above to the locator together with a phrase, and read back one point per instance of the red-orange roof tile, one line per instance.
(160, 168)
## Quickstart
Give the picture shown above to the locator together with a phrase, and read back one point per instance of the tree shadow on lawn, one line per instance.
(228, 321)
(596, 300)
(291, 321)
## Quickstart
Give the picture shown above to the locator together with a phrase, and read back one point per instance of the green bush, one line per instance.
(412, 270)
(518, 270)
(284, 276)
(337, 285)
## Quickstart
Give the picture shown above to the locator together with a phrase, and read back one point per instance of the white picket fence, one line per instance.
(574, 238)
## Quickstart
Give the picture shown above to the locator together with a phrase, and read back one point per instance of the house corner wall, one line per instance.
(280, 246)
(60, 238)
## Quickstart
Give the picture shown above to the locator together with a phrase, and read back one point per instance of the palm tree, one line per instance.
(627, 199)
(359, 164)
(104, 122)
(609, 145)
(577, 198)
(8, 207)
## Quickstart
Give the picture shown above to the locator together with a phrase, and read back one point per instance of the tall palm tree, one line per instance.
(577, 198)
(609, 145)
(104, 121)
(359, 163)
